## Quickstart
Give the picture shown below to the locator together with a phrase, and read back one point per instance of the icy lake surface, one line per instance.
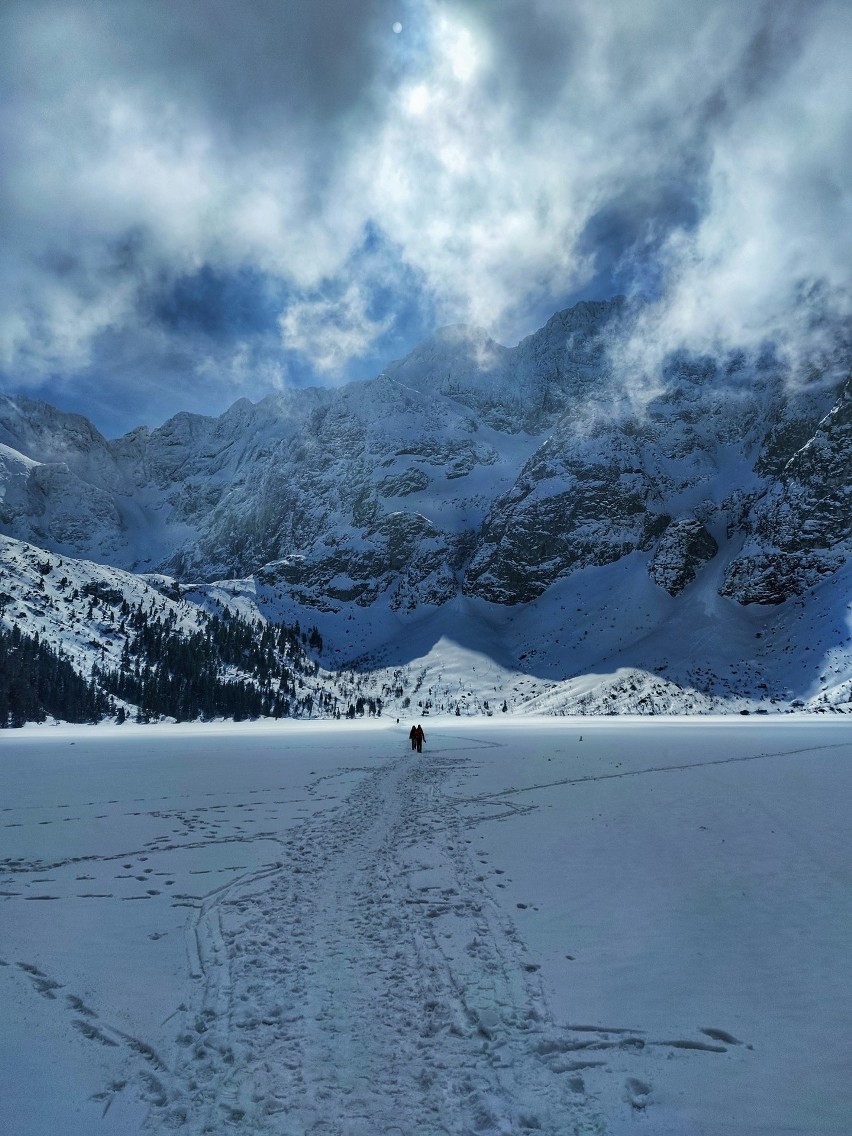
(624, 927)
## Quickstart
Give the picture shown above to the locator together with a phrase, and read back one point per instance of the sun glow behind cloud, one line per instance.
(460, 47)
(479, 163)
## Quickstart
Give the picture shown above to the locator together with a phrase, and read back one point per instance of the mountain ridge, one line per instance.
(466, 471)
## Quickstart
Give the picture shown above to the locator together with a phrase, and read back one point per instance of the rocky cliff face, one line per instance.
(718, 448)
(800, 528)
(466, 468)
(683, 549)
(47, 504)
(578, 501)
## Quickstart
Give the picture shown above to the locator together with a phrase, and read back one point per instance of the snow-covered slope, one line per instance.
(109, 623)
(46, 503)
(74, 605)
(525, 504)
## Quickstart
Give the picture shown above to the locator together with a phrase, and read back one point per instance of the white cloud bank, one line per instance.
(770, 257)
(484, 142)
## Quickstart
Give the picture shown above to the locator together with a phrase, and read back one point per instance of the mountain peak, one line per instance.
(468, 475)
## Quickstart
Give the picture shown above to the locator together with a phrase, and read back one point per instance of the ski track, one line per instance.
(333, 997)
(369, 983)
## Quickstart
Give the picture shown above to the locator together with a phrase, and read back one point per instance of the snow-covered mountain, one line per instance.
(535, 508)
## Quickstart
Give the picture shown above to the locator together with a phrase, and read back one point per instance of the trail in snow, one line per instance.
(372, 985)
(397, 944)
(683, 768)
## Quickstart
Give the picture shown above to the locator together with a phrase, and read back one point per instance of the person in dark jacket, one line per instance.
(412, 734)
(419, 737)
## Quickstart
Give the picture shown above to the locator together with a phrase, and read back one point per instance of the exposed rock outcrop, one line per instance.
(685, 547)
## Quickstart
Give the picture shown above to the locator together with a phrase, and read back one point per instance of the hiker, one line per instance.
(419, 737)
(412, 734)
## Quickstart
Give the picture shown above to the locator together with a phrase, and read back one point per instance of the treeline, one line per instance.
(232, 668)
(37, 682)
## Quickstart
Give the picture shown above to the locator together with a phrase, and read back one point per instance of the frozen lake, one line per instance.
(597, 926)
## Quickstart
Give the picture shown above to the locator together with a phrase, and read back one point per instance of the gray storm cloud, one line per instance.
(508, 153)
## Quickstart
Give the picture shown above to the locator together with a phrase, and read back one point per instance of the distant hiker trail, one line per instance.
(371, 985)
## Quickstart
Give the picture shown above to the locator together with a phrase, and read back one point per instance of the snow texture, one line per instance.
(582, 927)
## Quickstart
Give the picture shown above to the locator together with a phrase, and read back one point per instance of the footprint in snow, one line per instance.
(636, 1094)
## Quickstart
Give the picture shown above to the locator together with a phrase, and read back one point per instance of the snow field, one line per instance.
(690, 883)
(306, 928)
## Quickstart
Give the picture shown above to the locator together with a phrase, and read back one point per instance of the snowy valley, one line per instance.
(479, 527)
(609, 899)
(425, 568)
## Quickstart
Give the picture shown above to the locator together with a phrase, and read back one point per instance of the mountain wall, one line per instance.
(466, 473)
(466, 467)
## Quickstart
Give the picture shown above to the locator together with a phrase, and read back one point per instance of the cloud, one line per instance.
(202, 134)
(196, 189)
(330, 332)
(769, 259)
